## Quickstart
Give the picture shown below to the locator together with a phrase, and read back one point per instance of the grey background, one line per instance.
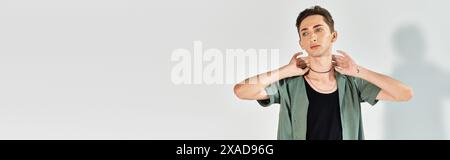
(100, 69)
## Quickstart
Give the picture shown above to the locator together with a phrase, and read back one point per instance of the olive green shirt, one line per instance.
(290, 93)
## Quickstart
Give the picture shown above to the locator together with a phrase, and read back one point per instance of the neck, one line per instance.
(321, 64)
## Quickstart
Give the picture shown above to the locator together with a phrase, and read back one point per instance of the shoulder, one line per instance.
(290, 83)
(291, 80)
(349, 79)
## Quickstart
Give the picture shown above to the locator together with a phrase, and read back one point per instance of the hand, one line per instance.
(345, 64)
(297, 66)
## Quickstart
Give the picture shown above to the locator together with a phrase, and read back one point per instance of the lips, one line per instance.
(314, 46)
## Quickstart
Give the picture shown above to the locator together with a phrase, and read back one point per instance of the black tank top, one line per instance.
(324, 116)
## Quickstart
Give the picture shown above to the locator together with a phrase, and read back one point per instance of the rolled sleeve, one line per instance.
(274, 96)
(367, 91)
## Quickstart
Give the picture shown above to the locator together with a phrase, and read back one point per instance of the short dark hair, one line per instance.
(316, 10)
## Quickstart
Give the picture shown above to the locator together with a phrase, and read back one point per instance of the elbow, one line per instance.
(238, 91)
(410, 94)
(407, 94)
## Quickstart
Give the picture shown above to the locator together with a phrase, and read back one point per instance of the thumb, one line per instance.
(296, 54)
(304, 71)
(338, 69)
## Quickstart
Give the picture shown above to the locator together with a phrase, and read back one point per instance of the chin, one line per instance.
(315, 54)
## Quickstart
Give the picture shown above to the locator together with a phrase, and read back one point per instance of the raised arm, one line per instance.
(391, 89)
(253, 88)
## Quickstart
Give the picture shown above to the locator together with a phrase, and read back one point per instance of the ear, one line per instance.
(334, 36)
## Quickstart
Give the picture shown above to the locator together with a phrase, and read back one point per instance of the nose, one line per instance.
(313, 38)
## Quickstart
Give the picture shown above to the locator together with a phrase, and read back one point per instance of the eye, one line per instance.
(305, 34)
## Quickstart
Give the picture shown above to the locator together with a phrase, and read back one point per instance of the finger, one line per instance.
(301, 59)
(338, 69)
(333, 57)
(296, 55)
(344, 65)
(340, 64)
(340, 59)
(302, 64)
(337, 56)
(306, 70)
(334, 63)
(342, 52)
(305, 59)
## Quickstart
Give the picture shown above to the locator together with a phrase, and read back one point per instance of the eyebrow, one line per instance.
(319, 25)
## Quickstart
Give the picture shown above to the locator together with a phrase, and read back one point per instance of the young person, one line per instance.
(320, 95)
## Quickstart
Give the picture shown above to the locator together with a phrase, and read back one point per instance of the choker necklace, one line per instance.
(321, 72)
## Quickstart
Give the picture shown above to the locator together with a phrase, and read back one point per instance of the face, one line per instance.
(315, 36)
